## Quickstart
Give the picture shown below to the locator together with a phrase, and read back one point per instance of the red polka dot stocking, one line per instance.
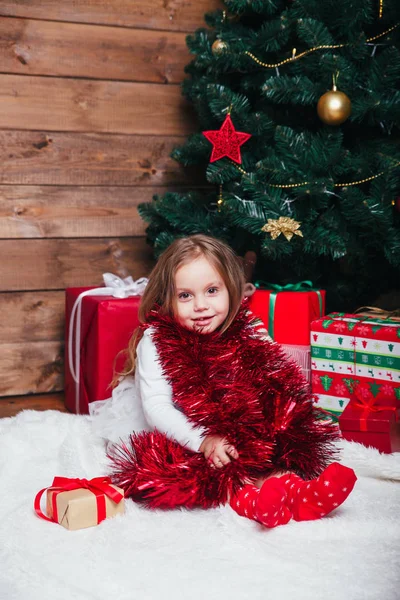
(310, 500)
(267, 506)
(272, 507)
(245, 501)
(282, 498)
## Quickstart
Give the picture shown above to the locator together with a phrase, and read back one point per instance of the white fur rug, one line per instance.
(354, 554)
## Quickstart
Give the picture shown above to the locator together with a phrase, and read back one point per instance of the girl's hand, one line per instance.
(218, 451)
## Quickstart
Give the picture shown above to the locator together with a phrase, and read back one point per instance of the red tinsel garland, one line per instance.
(235, 385)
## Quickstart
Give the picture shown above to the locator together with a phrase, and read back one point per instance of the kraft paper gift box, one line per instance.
(99, 325)
(79, 503)
(287, 313)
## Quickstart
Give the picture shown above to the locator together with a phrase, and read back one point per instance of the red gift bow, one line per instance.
(368, 406)
(99, 486)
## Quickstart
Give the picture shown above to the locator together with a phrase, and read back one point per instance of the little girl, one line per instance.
(217, 412)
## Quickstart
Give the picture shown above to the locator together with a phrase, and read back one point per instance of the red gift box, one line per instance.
(103, 328)
(287, 315)
(371, 425)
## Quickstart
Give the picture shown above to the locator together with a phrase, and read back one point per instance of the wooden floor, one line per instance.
(12, 405)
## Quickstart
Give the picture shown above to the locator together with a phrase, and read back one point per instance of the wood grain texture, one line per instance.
(11, 406)
(31, 317)
(90, 110)
(45, 158)
(59, 263)
(69, 50)
(57, 104)
(172, 15)
(72, 211)
(30, 368)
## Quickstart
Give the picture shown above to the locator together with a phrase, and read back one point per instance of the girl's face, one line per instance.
(202, 299)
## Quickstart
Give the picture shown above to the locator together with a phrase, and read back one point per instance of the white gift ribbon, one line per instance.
(114, 286)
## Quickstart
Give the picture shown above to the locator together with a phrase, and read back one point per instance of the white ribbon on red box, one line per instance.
(113, 286)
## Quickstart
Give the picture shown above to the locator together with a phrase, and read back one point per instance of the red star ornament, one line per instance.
(226, 141)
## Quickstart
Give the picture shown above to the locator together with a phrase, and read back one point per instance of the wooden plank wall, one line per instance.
(90, 109)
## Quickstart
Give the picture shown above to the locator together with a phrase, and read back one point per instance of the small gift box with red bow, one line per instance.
(99, 324)
(79, 503)
(371, 425)
(287, 312)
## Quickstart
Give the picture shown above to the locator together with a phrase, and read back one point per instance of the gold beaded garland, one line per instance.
(295, 56)
(220, 200)
(342, 185)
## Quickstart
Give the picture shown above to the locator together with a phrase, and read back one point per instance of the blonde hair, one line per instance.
(160, 291)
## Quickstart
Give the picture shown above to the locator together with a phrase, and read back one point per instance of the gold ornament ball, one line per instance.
(334, 107)
(219, 47)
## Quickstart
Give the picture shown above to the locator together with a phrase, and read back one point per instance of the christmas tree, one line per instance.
(298, 106)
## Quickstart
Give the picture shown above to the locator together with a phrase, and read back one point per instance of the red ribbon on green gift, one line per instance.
(368, 407)
(300, 286)
(99, 486)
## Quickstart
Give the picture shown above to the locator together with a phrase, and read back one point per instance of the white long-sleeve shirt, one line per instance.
(156, 397)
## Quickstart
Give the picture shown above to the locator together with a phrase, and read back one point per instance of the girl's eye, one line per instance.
(183, 296)
(213, 290)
